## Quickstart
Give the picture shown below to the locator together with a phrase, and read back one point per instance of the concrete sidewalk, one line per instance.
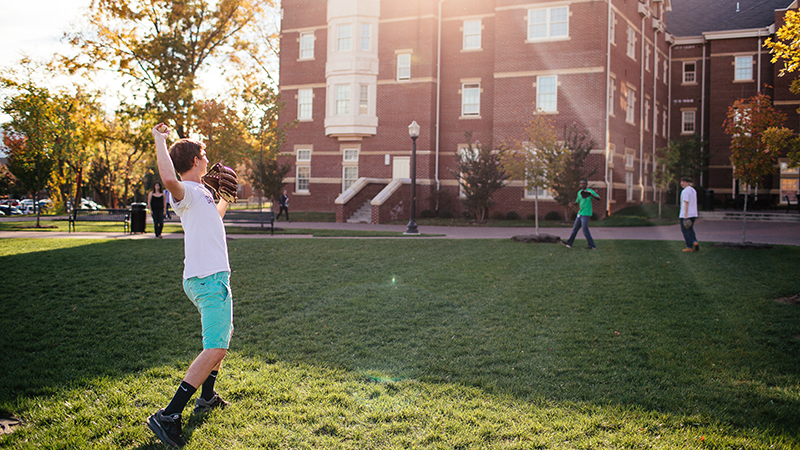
(775, 233)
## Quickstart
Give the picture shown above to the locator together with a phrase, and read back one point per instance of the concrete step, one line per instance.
(362, 215)
(757, 216)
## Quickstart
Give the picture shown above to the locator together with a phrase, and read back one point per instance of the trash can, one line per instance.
(138, 217)
(709, 204)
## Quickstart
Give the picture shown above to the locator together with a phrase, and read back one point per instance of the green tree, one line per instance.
(681, 158)
(752, 159)
(538, 159)
(32, 136)
(163, 45)
(566, 181)
(480, 174)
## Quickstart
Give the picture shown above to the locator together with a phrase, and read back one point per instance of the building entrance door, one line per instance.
(401, 167)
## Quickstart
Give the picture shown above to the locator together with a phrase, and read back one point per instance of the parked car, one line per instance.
(10, 210)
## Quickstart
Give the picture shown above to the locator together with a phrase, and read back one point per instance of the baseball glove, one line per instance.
(223, 182)
(687, 223)
(585, 194)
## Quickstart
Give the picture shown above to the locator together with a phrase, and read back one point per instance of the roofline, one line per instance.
(738, 34)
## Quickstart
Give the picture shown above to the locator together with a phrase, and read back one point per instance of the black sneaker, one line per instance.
(696, 246)
(167, 428)
(565, 244)
(201, 405)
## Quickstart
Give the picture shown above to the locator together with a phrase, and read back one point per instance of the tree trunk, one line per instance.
(536, 210)
(744, 216)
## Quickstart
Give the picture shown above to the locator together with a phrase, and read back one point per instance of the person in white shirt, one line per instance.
(206, 277)
(688, 215)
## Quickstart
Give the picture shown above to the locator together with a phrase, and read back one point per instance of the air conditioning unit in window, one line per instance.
(644, 10)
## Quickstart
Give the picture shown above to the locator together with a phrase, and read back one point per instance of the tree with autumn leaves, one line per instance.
(747, 121)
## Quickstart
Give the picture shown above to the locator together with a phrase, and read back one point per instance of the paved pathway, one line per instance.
(777, 233)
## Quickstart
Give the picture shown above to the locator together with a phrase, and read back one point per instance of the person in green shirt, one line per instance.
(584, 203)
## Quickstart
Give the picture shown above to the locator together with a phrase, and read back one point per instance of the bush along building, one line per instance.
(354, 74)
(717, 56)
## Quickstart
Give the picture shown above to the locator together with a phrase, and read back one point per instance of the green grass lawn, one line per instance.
(396, 344)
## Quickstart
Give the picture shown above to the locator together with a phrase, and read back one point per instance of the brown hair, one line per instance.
(183, 153)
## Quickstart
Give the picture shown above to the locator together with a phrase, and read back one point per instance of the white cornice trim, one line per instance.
(739, 34)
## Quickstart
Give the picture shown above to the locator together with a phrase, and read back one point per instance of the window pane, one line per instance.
(537, 24)
(404, 66)
(472, 34)
(546, 93)
(559, 22)
(306, 45)
(351, 154)
(342, 99)
(345, 38)
(744, 68)
(363, 99)
(471, 99)
(365, 37)
(304, 103)
(304, 155)
(303, 176)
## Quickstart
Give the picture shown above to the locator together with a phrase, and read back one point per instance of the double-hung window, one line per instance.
(303, 170)
(547, 93)
(689, 72)
(548, 23)
(349, 167)
(305, 99)
(630, 107)
(366, 37)
(363, 99)
(744, 68)
(342, 99)
(631, 48)
(687, 122)
(344, 38)
(472, 34)
(403, 66)
(470, 99)
(307, 45)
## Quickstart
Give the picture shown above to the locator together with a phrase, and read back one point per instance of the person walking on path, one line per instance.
(156, 200)
(688, 215)
(283, 203)
(584, 203)
(206, 278)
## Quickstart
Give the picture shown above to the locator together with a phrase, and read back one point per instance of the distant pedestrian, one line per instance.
(283, 203)
(688, 215)
(584, 203)
(156, 200)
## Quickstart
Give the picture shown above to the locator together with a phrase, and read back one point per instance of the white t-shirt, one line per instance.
(688, 195)
(205, 246)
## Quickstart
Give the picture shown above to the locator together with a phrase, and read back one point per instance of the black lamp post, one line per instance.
(413, 131)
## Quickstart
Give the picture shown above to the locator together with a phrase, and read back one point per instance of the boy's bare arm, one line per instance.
(222, 206)
(165, 168)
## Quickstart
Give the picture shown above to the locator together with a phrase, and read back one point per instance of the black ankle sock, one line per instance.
(208, 386)
(181, 398)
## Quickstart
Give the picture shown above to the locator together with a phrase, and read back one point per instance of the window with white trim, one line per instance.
(363, 99)
(403, 66)
(303, 155)
(790, 181)
(612, 94)
(666, 71)
(629, 160)
(302, 179)
(629, 186)
(744, 68)
(350, 155)
(344, 38)
(647, 57)
(349, 176)
(687, 122)
(307, 45)
(305, 102)
(613, 31)
(631, 48)
(664, 123)
(646, 119)
(470, 99)
(342, 99)
(630, 107)
(548, 23)
(547, 93)
(472, 34)
(366, 37)
(689, 72)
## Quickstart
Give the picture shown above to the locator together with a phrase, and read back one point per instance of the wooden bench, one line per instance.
(249, 216)
(99, 215)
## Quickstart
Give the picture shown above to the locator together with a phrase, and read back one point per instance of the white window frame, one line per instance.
(553, 30)
(470, 99)
(403, 66)
(305, 104)
(630, 50)
(471, 32)
(629, 160)
(688, 120)
(743, 68)
(306, 46)
(350, 155)
(363, 99)
(630, 106)
(666, 71)
(342, 104)
(344, 37)
(547, 101)
(646, 57)
(689, 72)
(302, 179)
(349, 176)
(790, 180)
(303, 155)
(366, 37)
(646, 119)
(664, 124)
(613, 30)
(629, 186)
(612, 94)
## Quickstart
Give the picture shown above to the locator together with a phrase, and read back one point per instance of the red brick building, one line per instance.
(717, 56)
(355, 73)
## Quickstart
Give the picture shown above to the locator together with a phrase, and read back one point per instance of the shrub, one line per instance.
(445, 214)
(553, 215)
(497, 215)
(513, 215)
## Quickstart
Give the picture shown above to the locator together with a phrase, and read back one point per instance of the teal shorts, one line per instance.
(212, 297)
